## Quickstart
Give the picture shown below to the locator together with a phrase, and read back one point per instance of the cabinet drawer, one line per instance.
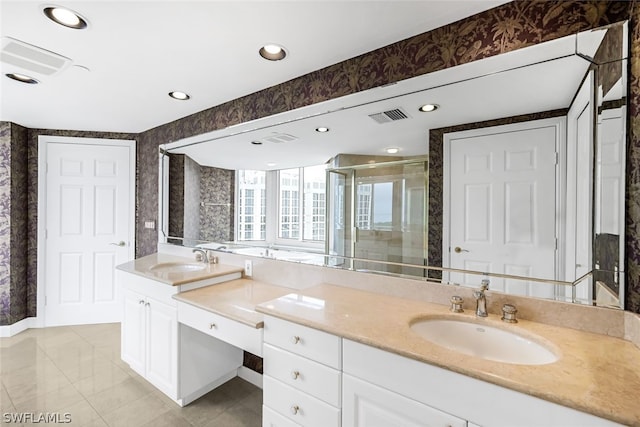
(311, 343)
(304, 374)
(298, 406)
(230, 331)
(271, 418)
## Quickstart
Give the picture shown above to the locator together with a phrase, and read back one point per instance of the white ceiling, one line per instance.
(138, 51)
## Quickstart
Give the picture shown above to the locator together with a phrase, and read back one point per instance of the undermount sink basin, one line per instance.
(483, 341)
(176, 267)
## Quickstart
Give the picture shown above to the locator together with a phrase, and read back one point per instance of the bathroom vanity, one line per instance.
(185, 324)
(339, 356)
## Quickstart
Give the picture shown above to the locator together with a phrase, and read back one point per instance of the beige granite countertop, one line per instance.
(596, 374)
(143, 267)
(235, 299)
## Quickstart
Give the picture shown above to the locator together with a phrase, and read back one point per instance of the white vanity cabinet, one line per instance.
(383, 388)
(302, 382)
(178, 360)
(149, 336)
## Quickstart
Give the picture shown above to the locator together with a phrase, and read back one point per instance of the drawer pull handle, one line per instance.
(295, 375)
(295, 409)
(295, 339)
(212, 326)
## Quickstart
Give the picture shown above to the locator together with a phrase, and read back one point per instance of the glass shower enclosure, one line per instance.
(376, 212)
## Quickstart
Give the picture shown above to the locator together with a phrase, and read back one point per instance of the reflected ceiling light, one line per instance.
(65, 17)
(22, 78)
(429, 107)
(322, 129)
(392, 150)
(180, 96)
(272, 52)
(271, 164)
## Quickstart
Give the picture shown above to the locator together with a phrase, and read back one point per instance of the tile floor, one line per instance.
(77, 370)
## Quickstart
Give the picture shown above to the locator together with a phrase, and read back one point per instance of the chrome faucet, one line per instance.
(205, 257)
(481, 299)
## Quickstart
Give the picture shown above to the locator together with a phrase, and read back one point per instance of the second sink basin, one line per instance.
(483, 341)
(177, 267)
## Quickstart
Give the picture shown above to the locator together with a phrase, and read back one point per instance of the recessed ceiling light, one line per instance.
(271, 164)
(272, 52)
(22, 78)
(180, 96)
(256, 142)
(322, 129)
(429, 107)
(392, 150)
(65, 17)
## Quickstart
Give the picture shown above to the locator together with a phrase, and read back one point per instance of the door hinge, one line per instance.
(556, 243)
(557, 157)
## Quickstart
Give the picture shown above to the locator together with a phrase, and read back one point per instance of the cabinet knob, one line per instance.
(146, 304)
(141, 301)
(295, 375)
(212, 326)
(295, 339)
(295, 409)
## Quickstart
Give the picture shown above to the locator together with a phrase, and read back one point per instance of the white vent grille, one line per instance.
(389, 116)
(279, 138)
(31, 58)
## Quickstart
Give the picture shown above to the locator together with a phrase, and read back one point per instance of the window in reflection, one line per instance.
(252, 210)
(308, 210)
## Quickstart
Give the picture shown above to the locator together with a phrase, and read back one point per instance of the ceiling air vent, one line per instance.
(279, 138)
(389, 116)
(31, 58)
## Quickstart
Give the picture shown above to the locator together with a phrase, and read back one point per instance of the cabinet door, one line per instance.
(367, 405)
(162, 346)
(133, 331)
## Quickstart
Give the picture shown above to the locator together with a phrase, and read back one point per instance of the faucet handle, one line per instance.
(509, 313)
(456, 304)
(484, 285)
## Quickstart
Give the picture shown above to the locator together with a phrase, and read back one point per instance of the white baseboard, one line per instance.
(251, 376)
(14, 329)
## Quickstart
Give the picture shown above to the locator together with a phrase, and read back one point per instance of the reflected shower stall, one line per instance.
(376, 211)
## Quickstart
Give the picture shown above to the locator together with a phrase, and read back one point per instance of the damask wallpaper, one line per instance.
(5, 221)
(505, 28)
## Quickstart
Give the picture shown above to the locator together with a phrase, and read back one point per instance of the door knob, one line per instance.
(121, 243)
(458, 249)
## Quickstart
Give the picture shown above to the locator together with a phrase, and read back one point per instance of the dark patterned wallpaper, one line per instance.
(505, 28)
(176, 195)
(632, 233)
(18, 247)
(217, 189)
(5, 220)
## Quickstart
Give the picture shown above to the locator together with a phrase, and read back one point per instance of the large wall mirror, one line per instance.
(514, 170)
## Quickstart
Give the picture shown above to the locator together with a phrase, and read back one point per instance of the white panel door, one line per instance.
(89, 230)
(503, 205)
